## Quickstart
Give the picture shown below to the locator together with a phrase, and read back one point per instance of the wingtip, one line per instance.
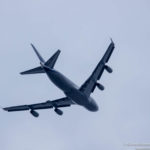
(21, 73)
(31, 44)
(59, 50)
(3, 108)
(111, 40)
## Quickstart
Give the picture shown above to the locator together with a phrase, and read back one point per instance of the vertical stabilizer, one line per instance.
(50, 63)
(38, 54)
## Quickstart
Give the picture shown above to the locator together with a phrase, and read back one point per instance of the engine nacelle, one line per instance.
(100, 86)
(34, 113)
(108, 69)
(58, 111)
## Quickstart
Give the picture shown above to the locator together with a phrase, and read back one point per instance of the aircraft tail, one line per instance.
(50, 63)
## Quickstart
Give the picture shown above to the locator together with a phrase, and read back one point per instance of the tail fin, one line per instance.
(50, 63)
(38, 54)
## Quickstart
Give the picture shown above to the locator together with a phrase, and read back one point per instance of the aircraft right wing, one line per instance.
(62, 102)
(90, 84)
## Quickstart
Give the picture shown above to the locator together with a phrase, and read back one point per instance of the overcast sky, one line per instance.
(82, 30)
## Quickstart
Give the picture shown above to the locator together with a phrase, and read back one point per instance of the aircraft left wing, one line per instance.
(91, 83)
(62, 102)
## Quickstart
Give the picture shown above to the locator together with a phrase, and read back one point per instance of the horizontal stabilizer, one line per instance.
(51, 62)
(33, 71)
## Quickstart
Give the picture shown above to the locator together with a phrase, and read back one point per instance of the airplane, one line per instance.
(74, 95)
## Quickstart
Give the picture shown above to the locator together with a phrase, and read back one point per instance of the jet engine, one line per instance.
(108, 69)
(34, 113)
(100, 86)
(58, 111)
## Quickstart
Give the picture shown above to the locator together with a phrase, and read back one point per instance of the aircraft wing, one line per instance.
(62, 102)
(89, 86)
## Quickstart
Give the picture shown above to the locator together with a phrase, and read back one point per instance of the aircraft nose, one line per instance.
(93, 106)
(96, 107)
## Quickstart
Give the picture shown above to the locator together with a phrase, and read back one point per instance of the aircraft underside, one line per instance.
(74, 94)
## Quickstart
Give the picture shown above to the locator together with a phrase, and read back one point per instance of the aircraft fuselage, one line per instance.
(71, 90)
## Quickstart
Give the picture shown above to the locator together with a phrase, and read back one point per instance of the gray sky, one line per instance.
(81, 29)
